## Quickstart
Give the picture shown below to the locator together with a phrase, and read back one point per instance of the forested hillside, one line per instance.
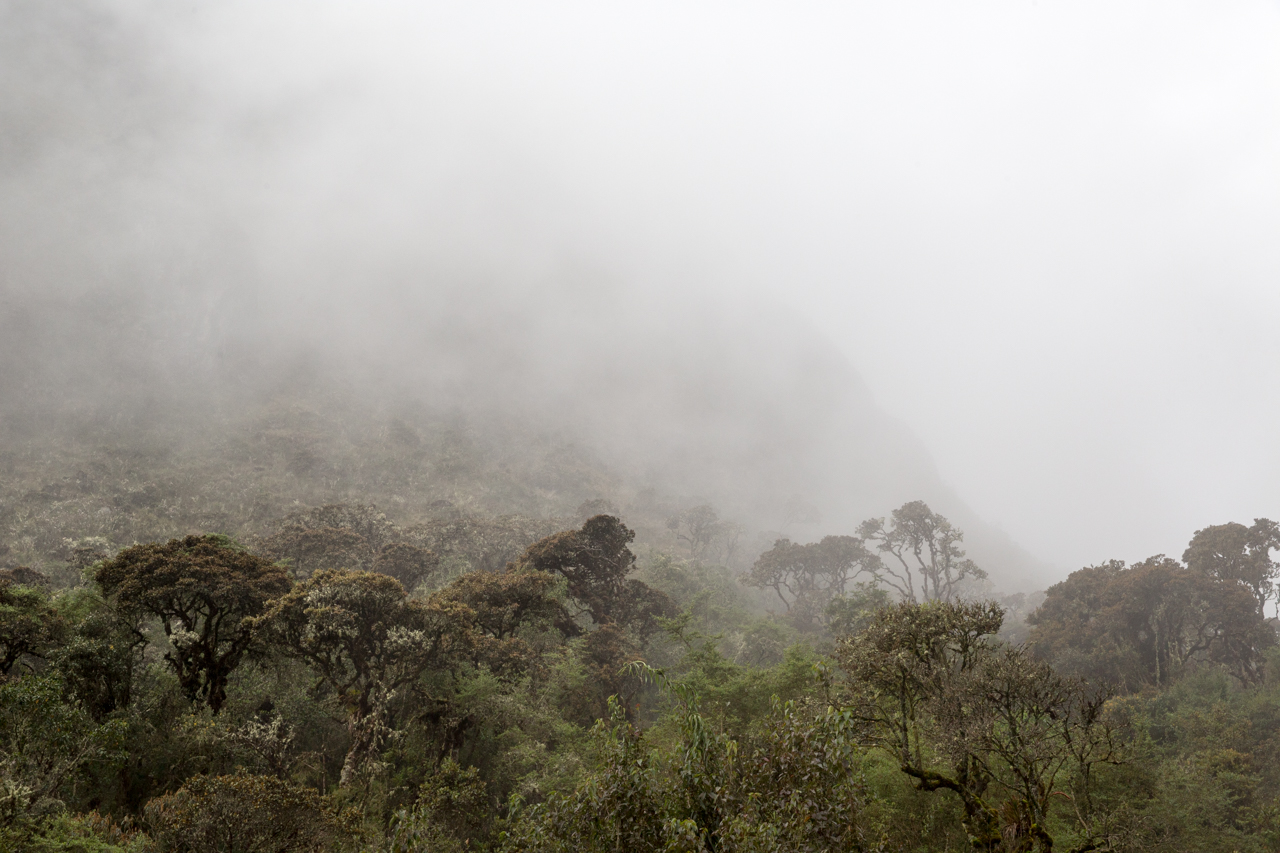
(629, 673)
(432, 427)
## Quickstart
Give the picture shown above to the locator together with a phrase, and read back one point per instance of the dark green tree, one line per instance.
(44, 741)
(204, 590)
(100, 655)
(596, 561)
(30, 626)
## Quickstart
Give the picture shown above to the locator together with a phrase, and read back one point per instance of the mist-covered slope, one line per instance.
(198, 330)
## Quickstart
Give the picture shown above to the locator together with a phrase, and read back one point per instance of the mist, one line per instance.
(1017, 259)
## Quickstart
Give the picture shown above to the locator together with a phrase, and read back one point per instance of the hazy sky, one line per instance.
(1047, 234)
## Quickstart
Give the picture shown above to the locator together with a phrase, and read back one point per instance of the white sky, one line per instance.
(1046, 233)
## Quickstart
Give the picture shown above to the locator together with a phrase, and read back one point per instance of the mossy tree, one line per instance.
(204, 590)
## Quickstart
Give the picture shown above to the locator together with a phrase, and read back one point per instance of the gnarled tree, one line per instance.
(958, 712)
(923, 558)
(204, 590)
(595, 561)
(364, 637)
(807, 577)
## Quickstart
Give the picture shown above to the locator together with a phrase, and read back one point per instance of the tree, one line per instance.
(29, 624)
(364, 637)
(486, 611)
(485, 544)
(925, 549)
(100, 654)
(244, 814)
(1235, 553)
(204, 590)
(311, 549)
(698, 527)
(452, 812)
(44, 740)
(595, 561)
(1145, 624)
(989, 724)
(807, 577)
(335, 536)
(407, 563)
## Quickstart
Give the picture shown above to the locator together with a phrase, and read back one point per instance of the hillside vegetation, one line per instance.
(308, 627)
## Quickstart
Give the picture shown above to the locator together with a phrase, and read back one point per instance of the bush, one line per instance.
(243, 814)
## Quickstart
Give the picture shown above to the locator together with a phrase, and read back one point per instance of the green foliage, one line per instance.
(1149, 623)
(85, 833)
(204, 590)
(100, 654)
(44, 741)
(799, 788)
(451, 815)
(503, 704)
(990, 725)
(29, 625)
(244, 814)
(364, 638)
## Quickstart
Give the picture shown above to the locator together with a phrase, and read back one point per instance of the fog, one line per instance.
(1020, 259)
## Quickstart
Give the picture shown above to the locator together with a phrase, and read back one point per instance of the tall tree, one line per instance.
(365, 638)
(807, 577)
(924, 560)
(699, 527)
(204, 590)
(29, 624)
(1235, 553)
(958, 712)
(487, 610)
(595, 561)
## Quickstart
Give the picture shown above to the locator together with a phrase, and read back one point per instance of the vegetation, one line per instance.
(454, 678)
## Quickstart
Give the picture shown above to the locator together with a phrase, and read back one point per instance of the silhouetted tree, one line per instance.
(698, 527)
(204, 590)
(595, 561)
(807, 577)
(927, 562)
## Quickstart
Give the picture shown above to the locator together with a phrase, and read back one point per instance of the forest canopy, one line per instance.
(341, 682)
